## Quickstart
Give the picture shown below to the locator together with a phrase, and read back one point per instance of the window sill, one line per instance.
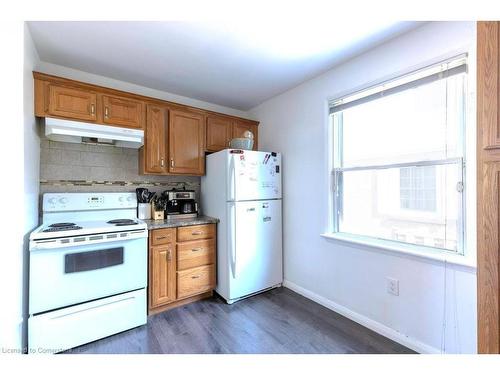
(409, 250)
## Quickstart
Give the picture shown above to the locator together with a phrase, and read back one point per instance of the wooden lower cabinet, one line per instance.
(162, 275)
(181, 268)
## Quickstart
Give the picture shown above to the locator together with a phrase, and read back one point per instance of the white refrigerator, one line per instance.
(243, 189)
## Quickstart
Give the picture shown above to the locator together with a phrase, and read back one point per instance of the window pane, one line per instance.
(422, 123)
(417, 188)
(417, 205)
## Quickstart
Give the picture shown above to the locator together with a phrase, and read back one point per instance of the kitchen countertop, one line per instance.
(173, 223)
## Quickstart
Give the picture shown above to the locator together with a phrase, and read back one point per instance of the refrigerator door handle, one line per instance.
(232, 238)
(232, 179)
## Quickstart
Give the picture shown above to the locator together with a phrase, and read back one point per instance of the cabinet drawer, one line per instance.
(195, 281)
(195, 253)
(195, 232)
(162, 236)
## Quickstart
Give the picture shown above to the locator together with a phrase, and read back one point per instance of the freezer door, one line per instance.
(255, 253)
(254, 175)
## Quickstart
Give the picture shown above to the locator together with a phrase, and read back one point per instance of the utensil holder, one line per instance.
(144, 211)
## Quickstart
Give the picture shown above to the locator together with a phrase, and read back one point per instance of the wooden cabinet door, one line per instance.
(72, 103)
(186, 143)
(488, 50)
(488, 187)
(218, 133)
(239, 127)
(162, 275)
(122, 111)
(155, 144)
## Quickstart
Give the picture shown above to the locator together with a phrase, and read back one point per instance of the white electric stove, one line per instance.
(88, 270)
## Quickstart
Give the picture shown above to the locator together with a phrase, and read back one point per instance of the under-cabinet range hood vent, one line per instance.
(83, 132)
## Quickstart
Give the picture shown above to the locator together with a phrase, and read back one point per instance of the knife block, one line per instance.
(157, 215)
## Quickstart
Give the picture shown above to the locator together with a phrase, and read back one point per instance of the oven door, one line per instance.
(69, 275)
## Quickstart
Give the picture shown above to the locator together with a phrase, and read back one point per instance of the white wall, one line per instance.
(427, 315)
(20, 170)
(31, 158)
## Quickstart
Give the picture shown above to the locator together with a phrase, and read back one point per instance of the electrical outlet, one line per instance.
(393, 286)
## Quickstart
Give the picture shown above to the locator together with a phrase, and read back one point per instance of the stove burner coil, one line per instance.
(58, 225)
(120, 222)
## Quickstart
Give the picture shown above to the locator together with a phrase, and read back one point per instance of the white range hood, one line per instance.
(83, 132)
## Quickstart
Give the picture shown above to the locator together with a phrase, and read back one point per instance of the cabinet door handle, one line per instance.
(106, 112)
(195, 277)
(92, 109)
(162, 162)
(169, 255)
(172, 163)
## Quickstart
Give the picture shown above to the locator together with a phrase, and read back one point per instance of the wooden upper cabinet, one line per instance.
(162, 275)
(155, 142)
(175, 136)
(218, 133)
(239, 128)
(70, 102)
(488, 65)
(122, 111)
(186, 142)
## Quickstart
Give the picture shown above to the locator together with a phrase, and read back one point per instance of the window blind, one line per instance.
(424, 76)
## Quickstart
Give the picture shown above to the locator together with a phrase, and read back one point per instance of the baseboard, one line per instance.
(380, 328)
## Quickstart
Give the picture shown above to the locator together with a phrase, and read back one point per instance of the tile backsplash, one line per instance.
(73, 167)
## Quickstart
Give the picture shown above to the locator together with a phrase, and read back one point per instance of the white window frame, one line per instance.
(334, 154)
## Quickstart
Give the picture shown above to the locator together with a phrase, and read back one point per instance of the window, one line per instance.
(398, 159)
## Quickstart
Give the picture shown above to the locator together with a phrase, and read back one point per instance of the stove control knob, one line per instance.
(63, 200)
(129, 199)
(52, 200)
(121, 199)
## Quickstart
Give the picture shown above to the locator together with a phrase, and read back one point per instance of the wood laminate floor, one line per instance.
(277, 321)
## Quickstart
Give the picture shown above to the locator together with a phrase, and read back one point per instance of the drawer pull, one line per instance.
(195, 277)
(161, 238)
(196, 233)
(196, 249)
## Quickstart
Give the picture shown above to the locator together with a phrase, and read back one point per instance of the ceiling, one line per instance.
(234, 64)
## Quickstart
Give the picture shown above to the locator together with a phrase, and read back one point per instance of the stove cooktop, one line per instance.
(79, 228)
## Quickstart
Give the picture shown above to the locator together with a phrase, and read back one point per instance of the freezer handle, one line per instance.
(232, 238)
